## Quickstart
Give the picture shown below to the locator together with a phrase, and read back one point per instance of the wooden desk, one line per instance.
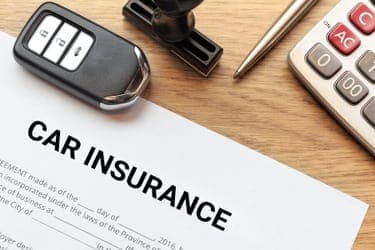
(268, 111)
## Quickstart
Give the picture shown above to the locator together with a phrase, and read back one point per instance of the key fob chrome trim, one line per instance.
(136, 88)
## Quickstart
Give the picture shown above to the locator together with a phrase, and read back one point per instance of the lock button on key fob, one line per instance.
(82, 58)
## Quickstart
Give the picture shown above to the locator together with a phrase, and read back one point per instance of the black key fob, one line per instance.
(82, 58)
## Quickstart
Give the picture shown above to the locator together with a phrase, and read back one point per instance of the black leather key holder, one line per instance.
(172, 23)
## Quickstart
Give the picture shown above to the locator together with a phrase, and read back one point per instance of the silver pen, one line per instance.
(291, 16)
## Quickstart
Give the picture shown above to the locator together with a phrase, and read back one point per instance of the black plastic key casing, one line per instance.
(113, 74)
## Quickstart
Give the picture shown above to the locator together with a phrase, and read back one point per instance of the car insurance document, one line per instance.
(72, 177)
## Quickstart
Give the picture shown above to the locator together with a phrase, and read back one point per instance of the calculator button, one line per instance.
(77, 52)
(343, 39)
(43, 34)
(60, 42)
(363, 18)
(351, 88)
(323, 61)
(369, 111)
(367, 65)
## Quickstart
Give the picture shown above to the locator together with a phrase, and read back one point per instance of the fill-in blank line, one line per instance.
(92, 235)
(144, 236)
(82, 206)
(65, 234)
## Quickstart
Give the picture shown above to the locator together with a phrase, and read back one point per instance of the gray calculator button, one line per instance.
(77, 52)
(369, 111)
(60, 42)
(43, 34)
(367, 65)
(351, 88)
(323, 61)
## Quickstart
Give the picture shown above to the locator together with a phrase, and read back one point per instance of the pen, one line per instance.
(296, 10)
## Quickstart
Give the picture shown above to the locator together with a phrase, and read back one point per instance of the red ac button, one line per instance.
(363, 18)
(343, 39)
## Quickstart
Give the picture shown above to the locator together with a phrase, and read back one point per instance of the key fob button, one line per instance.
(77, 52)
(60, 42)
(43, 34)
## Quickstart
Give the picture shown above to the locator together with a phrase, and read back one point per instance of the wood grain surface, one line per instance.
(268, 110)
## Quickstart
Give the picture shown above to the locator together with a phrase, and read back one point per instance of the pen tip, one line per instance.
(236, 75)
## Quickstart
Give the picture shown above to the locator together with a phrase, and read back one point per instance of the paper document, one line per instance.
(72, 177)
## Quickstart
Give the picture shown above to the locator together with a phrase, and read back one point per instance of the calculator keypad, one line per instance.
(323, 61)
(336, 62)
(60, 42)
(349, 86)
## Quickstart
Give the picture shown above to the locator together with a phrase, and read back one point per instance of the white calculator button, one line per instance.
(77, 52)
(60, 42)
(43, 34)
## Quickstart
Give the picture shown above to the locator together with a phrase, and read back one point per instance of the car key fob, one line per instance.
(82, 58)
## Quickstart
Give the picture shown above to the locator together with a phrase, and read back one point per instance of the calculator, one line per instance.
(336, 63)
